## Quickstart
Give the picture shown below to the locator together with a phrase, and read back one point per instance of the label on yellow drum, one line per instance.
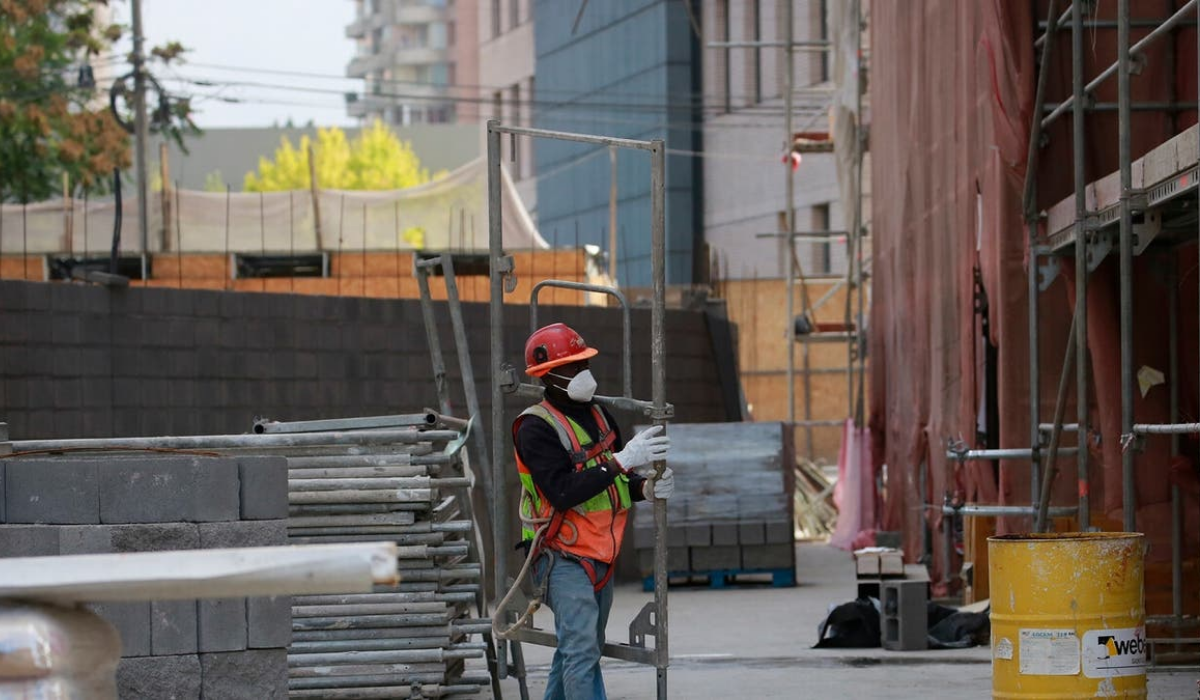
(1049, 652)
(1119, 652)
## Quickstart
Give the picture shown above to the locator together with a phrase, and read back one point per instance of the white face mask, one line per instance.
(581, 387)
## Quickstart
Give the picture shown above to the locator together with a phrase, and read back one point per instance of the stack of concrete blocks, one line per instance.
(97, 504)
(732, 512)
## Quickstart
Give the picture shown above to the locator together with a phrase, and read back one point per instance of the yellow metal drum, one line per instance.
(1068, 615)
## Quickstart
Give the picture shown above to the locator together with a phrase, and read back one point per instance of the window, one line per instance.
(495, 18)
(822, 252)
(437, 35)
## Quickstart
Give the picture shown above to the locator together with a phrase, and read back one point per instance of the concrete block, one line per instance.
(264, 487)
(174, 677)
(61, 491)
(252, 675)
(221, 624)
(174, 627)
(171, 489)
(28, 541)
(751, 533)
(724, 534)
(768, 556)
(132, 620)
(156, 537)
(269, 622)
(780, 532)
(716, 558)
(699, 535)
(250, 533)
(84, 539)
(678, 560)
(677, 536)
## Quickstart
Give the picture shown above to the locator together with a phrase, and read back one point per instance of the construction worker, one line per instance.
(577, 487)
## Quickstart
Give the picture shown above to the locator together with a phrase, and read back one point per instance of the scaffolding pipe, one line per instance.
(1050, 471)
(658, 386)
(1165, 428)
(1137, 48)
(1176, 502)
(1081, 269)
(1029, 204)
(1125, 155)
(497, 497)
(1002, 453)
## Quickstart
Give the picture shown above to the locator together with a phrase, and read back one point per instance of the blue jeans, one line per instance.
(580, 616)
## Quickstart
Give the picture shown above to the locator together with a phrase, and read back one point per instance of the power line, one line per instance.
(695, 98)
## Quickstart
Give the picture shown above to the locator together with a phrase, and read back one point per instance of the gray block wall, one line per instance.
(201, 650)
(86, 361)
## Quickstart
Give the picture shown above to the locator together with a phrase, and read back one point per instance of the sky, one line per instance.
(232, 42)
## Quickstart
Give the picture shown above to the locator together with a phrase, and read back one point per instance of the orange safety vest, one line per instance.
(593, 529)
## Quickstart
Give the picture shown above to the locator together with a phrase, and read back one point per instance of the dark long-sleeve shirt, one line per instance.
(550, 465)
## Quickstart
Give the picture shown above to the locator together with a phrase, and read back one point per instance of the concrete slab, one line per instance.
(756, 642)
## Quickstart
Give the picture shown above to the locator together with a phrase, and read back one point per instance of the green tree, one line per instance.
(376, 160)
(51, 122)
(47, 126)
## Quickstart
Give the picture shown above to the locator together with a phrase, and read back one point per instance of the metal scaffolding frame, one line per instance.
(1089, 235)
(651, 621)
(852, 331)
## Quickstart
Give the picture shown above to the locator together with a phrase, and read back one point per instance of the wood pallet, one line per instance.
(726, 578)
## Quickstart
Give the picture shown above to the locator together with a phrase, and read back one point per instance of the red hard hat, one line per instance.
(554, 346)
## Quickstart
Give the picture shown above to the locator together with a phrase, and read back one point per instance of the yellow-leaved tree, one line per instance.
(376, 160)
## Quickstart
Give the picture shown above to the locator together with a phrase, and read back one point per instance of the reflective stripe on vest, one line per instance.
(594, 528)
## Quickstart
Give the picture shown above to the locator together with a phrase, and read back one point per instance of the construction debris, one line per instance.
(815, 513)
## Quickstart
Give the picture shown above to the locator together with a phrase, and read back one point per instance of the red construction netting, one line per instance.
(952, 93)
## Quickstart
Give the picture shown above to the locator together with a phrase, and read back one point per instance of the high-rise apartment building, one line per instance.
(409, 56)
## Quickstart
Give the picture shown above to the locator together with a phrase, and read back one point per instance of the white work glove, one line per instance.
(645, 447)
(661, 488)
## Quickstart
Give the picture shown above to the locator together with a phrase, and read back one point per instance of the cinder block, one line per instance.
(221, 624)
(677, 560)
(132, 621)
(768, 556)
(62, 491)
(174, 627)
(677, 536)
(716, 558)
(699, 535)
(751, 533)
(269, 622)
(264, 488)
(252, 675)
(171, 489)
(250, 533)
(175, 677)
(28, 541)
(780, 532)
(724, 534)
(84, 539)
(157, 537)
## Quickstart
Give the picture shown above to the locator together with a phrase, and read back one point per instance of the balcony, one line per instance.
(417, 13)
(419, 56)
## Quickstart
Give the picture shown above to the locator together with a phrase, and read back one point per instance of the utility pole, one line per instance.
(140, 132)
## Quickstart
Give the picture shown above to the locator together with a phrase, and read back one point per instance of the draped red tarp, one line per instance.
(952, 94)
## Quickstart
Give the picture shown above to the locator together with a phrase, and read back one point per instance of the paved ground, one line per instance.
(756, 643)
